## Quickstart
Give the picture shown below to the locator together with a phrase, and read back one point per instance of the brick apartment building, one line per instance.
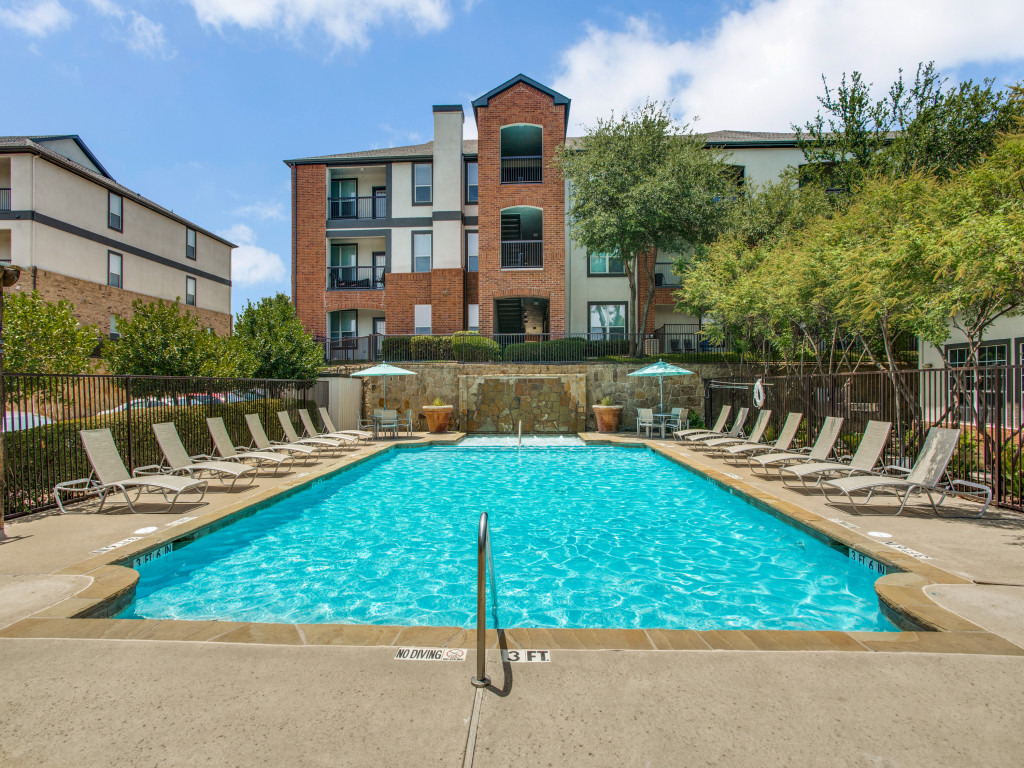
(458, 234)
(83, 237)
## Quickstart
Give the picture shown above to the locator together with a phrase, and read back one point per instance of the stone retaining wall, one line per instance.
(479, 405)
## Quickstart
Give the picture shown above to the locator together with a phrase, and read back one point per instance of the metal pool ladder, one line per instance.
(484, 562)
(520, 433)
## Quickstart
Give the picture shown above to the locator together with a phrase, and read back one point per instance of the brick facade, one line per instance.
(403, 290)
(447, 300)
(309, 248)
(521, 103)
(95, 303)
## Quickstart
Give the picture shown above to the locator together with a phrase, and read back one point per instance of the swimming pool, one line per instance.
(582, 537)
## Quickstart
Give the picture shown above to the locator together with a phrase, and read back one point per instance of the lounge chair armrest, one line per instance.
(79, 485)
(895, 469)
(805, 449)
(204, 457)
(149, 469)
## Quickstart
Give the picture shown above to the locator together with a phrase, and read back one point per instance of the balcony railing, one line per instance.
(522, 254)
(375, 207)
(355, 278)
(663, 274)
(521, 170)
(5, 198)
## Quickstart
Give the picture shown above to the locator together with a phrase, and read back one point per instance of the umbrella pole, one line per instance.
(385, 392)
(661, 394)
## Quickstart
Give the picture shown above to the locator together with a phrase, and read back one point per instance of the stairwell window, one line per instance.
(190, 244)
(421, 319)
(114, 333)
(422, 248)
(422, 183)
(472, 183)
(607, 321)
(473, 317)
(115, 207)
(604, 264)
(115, 267)
(190, 291)
(472, 251)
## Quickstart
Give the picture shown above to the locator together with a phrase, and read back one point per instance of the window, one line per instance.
(472, 251)
(608, 321)
(114, 333)
(606, 264)
(422, 246)
(421, 319)
(190, 243)
(472, 182)
(190, 291)
(422, 174)
(114, 208)
(989, 354)
(473, 317)
(115, 265)
(378, 326)
(343, 323)
(342, 271)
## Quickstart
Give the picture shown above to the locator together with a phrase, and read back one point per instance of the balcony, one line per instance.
(375, 207)
(522, 254)
(5, 198)
(663, 274)
(355, 278)
(526, 169)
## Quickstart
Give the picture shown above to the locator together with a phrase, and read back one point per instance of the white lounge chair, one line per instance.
(263, 443)
(735, 432)
(332, 430)
(823, 447)
(323, 443)
(177, 461)
(872, 444)
(229, 452)
(110, 474)
(310, 430)
(754, 438)
(924, 477)
(738, 452)
(719, 426)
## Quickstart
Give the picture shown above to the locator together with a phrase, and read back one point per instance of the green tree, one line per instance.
(638, 186)
(158, 340)
(227, 357)
(42, 337)
(282, 347)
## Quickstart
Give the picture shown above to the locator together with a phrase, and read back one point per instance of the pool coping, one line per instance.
(928, 627)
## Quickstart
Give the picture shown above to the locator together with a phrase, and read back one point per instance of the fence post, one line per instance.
(708, 405)
(997, 428)
(128, 421)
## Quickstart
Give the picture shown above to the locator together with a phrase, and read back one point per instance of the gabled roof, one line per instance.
(37, 146)
(521, 78)
(409, 152)
(750, 138)
(47, 140)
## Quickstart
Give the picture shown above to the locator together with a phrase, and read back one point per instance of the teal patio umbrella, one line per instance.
(385, 370)
(661, 370)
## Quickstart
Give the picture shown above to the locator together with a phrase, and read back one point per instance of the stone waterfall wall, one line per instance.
(540, 403)
(599, 380)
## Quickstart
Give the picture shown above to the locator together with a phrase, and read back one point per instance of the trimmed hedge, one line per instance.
(431, 348)
(39, 458)
(396, 348)
(471, 347)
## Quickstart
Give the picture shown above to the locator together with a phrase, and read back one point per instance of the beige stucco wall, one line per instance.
(764, 164)
(401, 197)
(1006, 329)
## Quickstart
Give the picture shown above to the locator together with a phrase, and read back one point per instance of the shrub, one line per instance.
(396, 349)
(694, 420)
(471, 347)
(522, 352)
(431, 348)
(564, 350)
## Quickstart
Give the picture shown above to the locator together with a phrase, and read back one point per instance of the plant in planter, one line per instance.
(438, 415)
(607, 415)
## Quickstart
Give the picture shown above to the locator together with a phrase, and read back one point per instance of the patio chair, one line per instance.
(736, 431)
(822, 449)
(756, 433)
(723, 416)
(787, 434)
(323, 443)
(229, 452)
(924, 477)
(177, 461)
(329, 427)
(406, 422)
(644, 420)
(310, 430)
(388, 421)
(263, 443)
(864, 459)
(675, 421)
(110, 474)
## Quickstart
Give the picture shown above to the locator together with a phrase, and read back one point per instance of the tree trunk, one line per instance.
(630, 266)
(649, 274)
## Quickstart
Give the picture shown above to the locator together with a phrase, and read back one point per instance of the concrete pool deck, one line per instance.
(243, 695)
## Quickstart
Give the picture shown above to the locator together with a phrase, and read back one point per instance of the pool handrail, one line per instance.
(484, 560)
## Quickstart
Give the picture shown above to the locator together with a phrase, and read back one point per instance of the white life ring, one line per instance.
(758, 394)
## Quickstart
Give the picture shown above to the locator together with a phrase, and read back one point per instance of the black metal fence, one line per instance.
(375, 207)
(44, 413)
(985, 403)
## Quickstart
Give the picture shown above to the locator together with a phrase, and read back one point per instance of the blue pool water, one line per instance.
(582, 537)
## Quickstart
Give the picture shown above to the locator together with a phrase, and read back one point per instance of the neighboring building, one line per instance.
(81, 236)
(456, 235)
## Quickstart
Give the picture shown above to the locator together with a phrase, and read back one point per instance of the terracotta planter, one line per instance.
(608, 417)
(438, 417)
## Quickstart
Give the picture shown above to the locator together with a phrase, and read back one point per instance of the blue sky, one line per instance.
(195, 103)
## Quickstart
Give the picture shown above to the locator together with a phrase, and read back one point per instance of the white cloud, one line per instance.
(251, 264)
(344, 21)
(264, 211)
(107, 8)
(147, 37)
(36, 19)
(760, 68)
